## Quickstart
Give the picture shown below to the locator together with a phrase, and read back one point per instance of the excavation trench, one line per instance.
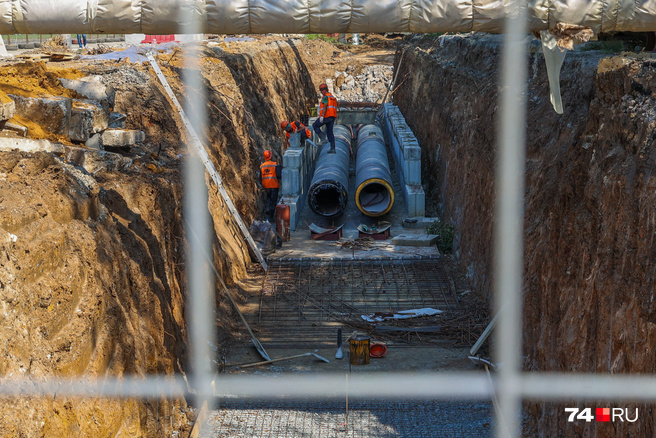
(92, 243)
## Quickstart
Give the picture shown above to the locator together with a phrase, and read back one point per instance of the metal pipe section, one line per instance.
(328, 192)
(374, 195)
(155, 17)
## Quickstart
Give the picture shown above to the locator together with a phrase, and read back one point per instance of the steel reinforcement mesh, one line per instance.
(313, 298)
(328, 419)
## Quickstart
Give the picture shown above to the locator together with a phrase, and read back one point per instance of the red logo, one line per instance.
(603, 414)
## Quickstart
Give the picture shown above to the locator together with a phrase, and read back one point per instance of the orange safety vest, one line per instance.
(299, 128)
(269, 178)
(331, 109)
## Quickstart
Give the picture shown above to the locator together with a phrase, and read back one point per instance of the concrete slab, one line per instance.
(29, 145)
(88, 117)
(94, 160)
(120, 138)
(93, 88)
(7, 107)
(418, 223)
(415, 240)
(95, 142)
(53, 113)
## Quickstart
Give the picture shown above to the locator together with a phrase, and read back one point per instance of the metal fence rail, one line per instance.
(509, 386)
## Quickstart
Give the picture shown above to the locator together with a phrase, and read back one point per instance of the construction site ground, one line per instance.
(108, 297)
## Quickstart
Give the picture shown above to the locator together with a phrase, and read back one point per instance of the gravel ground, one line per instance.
(327, 419)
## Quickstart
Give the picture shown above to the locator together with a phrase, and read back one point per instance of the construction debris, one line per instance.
(264, 362)
(403, 314)
(361, 243)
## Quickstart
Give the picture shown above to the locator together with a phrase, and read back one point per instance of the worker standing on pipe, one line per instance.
(327, 116)
(270, 172)
(296, 127)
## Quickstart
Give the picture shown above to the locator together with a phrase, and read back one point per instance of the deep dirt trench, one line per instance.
(589, 227)
(92, 277)
(91, 265)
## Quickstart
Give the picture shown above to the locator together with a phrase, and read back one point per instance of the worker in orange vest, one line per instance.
(270, 172)
(295, 127)
(327, 116)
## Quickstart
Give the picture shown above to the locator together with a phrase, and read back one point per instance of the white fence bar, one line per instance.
(509, 228)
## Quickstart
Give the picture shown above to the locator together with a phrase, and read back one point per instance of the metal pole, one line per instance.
(509, 226)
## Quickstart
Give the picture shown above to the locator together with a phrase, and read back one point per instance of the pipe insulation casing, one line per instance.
(328, 192)
(314, 16)
(374, 193)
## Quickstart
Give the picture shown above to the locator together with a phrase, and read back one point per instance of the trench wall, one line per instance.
(92, 278)
(589, 209)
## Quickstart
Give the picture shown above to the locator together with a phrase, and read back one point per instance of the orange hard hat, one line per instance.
(322, 86)
(284, 124)
(267, 155)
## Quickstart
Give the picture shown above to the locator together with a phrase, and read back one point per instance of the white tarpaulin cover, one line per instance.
(314, 16)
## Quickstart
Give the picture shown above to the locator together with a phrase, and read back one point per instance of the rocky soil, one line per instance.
(92, 277)
(589, 276)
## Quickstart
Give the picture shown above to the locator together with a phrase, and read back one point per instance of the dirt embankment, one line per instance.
(92, 266)
(589, 276)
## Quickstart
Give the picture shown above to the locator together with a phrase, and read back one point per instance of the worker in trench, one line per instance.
(295, 127)
(327, 116)
(270, 172)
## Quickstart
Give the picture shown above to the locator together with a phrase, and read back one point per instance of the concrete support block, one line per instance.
(29, 145)
(412, 172)
(120, 138)
(415, 200)
(292, 159)
(294, 210)
(411, 152)
(93, 161)
(7, 107)
(291, 182)
(52, 113)
(92, 88)
(295, 141)
(95, 142)
(418, 223)
(415, 240)
(87, 118)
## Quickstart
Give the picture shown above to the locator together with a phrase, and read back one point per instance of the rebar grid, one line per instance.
(313, 298)
(329, 419)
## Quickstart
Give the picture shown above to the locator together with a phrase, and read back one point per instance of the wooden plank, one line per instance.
(204, 157)
(202, 417)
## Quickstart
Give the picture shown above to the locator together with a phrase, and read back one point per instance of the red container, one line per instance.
(377, 350)
(282, 221)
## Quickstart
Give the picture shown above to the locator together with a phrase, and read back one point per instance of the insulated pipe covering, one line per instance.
(314, 16)
(374, 193)
(328, 192)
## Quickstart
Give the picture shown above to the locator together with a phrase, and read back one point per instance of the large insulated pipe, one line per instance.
(155, 17)
(328, 192)
(374, 194)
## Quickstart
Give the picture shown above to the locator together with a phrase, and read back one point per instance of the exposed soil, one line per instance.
(589, 276)
(91, 265)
